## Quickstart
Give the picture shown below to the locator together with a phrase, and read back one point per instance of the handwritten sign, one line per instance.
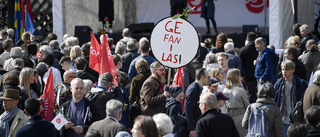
(174, 42)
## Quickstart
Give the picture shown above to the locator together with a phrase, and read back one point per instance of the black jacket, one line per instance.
(303, 43)
(37, 127)
(191, 107)
(126, 60)
(86, 75)
(93, 116)
(174, 111)
(216, 124)
(247, 55)
(100, 97)
(313, 131)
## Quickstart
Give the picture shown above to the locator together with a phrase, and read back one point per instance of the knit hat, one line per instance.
(175, 90)
(220, 96)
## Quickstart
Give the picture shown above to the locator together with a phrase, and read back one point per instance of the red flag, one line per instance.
(94, 58)
(22, 12)
(179, 80)
(107, 64)
(29, 9)
(48, 96)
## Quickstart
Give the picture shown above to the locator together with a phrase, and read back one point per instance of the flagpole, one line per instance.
(169, 76)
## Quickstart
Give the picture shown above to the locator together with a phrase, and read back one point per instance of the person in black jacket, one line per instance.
(313, 121)
(248, 54)
(306, 35)
(37, 126)
(213, 123)
(81, 64)
(81, 112)
(174, 108)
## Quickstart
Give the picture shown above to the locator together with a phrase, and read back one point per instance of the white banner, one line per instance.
(174, 42)
(228, 13)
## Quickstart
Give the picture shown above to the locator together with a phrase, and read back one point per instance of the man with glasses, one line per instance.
(153, 98)
(193, 92)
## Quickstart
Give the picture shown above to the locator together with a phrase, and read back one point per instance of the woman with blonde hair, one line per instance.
(26, 78)
(238, 99)
(218, 74)
(75, 52)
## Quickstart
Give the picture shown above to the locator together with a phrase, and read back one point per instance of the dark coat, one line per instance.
(313, 131)
(217, 50)
(91, 71)
(210, 9)
(301, 86)
(310, 61)
(191, 106)
(93, 116)
(247, 55)
(174, 111)
(194, 65)
(303, 43)
(311, 96)
(300, 70)
(107, 127)
(86, 75)
(234, 60)
(152, 100)
(100, 97)
(203, 54)
(136, 85)
(216, 124)
(126, 60)
(37, 127)
(56, 54)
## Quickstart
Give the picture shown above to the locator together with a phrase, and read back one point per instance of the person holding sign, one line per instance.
(37, 126)
(153, 98)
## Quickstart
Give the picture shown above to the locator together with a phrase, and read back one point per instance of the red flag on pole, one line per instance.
(48, 96)
(179, 80)
(107, 64)
(22, 12)
(94, 59)
(29, 9)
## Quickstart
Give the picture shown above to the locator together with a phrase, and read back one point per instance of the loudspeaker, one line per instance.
(250, 28)
(141, 27)
(83, 34)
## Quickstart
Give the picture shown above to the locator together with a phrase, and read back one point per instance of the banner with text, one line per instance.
(174, 42)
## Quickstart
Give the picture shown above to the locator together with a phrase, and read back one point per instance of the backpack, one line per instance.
(258, 125)
(297, 114)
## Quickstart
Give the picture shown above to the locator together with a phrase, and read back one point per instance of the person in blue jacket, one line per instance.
(264, 63)
(289, 90)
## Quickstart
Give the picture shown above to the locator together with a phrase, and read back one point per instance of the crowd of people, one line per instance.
(224, 88)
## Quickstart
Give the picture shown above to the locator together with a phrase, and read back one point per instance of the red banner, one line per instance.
(107, 64)
(179, 80)
(48, 96)
(94, 57)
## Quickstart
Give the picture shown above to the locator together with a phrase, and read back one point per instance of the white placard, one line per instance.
(174, 42)
(59, 121)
